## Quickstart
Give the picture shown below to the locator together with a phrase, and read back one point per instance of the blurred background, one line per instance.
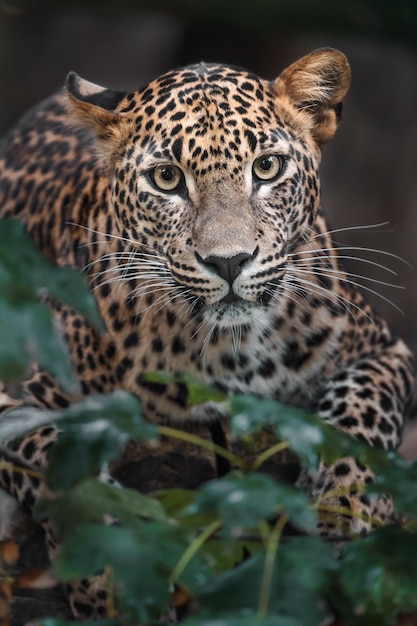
(369, 171)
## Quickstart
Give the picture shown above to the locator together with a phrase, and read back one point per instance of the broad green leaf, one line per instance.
(175, 501)
(394, 476)
(94, 444)
(307, 434)
(244, 618)
(26, 274)
(224, 554)
(138, 576)
(53, 621)
(300, 575)
(311, 438)
(235, 590)
(302, 431)
(242, 501)
(91, 499)
(28, 334)
(197, 391)
(378, 577)
(178, 505)
(97, 428)
(26, 330)
(141, 562)
(20, 421)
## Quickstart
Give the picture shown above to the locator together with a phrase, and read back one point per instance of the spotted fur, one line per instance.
(193, 206)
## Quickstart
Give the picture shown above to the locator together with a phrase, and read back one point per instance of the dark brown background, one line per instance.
(369, 171)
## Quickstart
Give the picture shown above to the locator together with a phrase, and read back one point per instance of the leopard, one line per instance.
(192, 205)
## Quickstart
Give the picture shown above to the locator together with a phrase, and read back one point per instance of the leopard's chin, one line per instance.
(228, 313)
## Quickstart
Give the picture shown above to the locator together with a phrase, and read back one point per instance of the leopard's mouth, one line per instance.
(232, 311)
(232, 298)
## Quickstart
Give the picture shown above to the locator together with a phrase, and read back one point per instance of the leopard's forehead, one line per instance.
(205, 83)
(208, 104)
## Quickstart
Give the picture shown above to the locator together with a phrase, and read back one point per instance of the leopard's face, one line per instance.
(214, 182)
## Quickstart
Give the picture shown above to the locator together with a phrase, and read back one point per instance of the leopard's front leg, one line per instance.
(368, 400)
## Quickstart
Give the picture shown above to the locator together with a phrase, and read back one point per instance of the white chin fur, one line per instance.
(232, 315)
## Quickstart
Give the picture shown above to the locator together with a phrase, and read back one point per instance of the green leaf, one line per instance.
(302, 431)
(394, 476)
(242, 501)
(26, 330)
(137, 574)
(175, 501)
(308, 436)
(311, 438)
(26, 274)
(20, 421)
(97, 428)
(178, 505)
(52, 621)
(236, 590)
(91, 499)
(28, 334)
(302, 571)
(197, 391)
(378, 577)
(244, 618)
(141, 562)
(224, 554)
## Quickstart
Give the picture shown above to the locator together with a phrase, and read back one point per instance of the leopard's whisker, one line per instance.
(326, 259)
(276, 292)
(166, 299)
(150, 290)
(121, 280)
(148, 287)
(235, 331)
(104, 234)
(316, 289)
(133, 272)
(345, 276)
(135, 255)
(364, 227)
(305, 287)
(351, 282)
(198, 327)
(336, 250)
(193, 318)
(206, 341)
(135, 252)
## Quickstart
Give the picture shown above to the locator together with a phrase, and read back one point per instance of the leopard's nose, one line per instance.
(227, 268)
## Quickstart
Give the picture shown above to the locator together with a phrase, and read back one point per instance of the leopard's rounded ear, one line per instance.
(316, 85)
(94, 107)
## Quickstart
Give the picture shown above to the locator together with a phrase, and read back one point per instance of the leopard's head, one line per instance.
(214, 177)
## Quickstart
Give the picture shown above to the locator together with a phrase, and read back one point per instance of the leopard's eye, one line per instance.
(268, 167)
(167, 177)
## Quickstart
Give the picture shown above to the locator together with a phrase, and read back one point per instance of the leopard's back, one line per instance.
(50, 178)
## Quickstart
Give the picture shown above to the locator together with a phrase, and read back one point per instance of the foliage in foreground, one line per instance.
(221, 548)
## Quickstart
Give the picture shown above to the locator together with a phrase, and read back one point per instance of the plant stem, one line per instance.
(270, 556)
(203, 443)
(264, 531)
(111, 611)
(21, 470)
(278, 447)
(346, 512)
(192, 550)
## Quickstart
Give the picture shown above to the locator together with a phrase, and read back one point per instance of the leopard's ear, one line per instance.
(316, 85)
(94, 107)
